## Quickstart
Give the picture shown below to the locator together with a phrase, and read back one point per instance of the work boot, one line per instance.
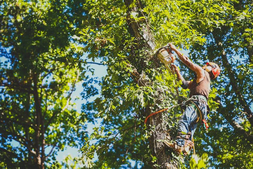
(186, 149)
(174, 146)
(188, 145)
(170, 166)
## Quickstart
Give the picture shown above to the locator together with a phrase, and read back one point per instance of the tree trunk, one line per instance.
(157, 147)
(38, 122)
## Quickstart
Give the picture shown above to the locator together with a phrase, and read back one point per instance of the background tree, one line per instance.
(40, 67)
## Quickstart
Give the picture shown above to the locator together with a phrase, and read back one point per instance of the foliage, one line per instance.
(123, 105)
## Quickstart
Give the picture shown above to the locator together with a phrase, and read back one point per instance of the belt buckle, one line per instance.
(195, 97)
(199, 97)
(203, 98)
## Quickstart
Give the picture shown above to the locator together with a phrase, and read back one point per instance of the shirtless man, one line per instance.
(199, 92)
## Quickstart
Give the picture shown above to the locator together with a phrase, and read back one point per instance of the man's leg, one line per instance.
(183, 142)
(184, 128)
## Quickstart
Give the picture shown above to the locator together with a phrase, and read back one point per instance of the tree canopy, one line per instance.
(48, 47)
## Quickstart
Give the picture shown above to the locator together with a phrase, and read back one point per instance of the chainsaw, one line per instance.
(165, 56)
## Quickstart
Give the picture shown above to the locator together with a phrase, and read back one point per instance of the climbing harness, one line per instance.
(200, 115)
(167, 58)
(192, 99)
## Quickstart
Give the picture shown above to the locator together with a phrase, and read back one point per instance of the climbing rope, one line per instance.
(200, 117)
(168, 108)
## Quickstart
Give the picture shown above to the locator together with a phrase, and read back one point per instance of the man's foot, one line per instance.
(174, 146)
(170, 166)
(186, 149)
(188, 145)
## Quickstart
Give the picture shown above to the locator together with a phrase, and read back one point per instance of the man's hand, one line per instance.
(185, 83)
(174, 67)
(172, 47)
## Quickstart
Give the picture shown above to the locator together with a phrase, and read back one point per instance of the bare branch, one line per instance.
(236, 126)
(95, 63)
(51, 151)
(235, 87)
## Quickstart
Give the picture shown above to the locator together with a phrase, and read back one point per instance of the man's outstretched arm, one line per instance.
(194, 67)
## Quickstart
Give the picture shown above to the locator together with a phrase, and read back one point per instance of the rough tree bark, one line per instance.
(38, 124)
(142, 33)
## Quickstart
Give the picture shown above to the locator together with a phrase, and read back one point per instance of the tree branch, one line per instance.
(19, 86)
(95, 63)
(22, 141)
(233, 79)
(144, 32)
(237, 127)
(250, 51)
(235, 87)
(10, 153)
(51, 151)
(38, 118)
(140, 79)
(17, 122)
(68, 99)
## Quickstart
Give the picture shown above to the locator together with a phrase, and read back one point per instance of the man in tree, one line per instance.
(197, 109)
